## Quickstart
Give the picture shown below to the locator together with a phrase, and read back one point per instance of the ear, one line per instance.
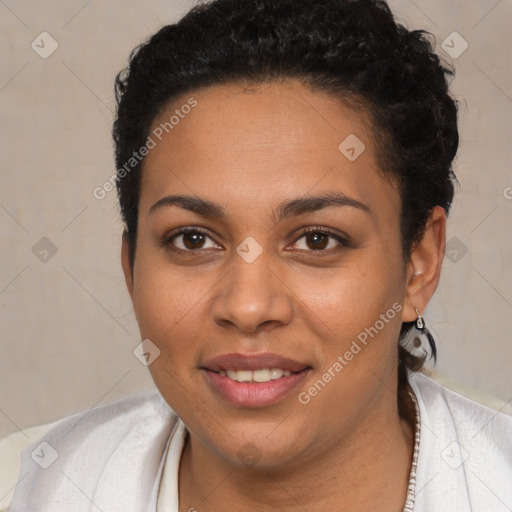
(125, 262)
(424, 266)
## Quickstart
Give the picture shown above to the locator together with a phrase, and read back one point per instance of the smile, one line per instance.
(263, 375)
(254, 380)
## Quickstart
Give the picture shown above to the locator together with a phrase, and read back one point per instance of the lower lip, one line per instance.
(255, 394)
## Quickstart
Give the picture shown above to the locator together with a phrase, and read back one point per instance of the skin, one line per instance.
(250, 149)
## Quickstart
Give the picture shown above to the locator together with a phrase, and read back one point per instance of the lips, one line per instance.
(242, 379)
(253, 362)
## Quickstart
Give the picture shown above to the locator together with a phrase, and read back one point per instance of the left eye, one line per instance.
(319, 240)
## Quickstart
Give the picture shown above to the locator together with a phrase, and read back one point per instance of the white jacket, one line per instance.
(111, 458)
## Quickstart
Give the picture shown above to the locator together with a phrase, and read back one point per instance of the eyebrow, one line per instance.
(294, 207)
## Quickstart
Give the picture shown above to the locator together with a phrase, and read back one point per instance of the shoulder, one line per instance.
(437, 400)
(481, 427)
(113, 420)
(465, 451)
(85, 456)
(120, 413)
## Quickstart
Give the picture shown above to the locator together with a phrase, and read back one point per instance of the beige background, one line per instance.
(67, 331)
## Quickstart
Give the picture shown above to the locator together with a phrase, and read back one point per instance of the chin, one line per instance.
(262, 446)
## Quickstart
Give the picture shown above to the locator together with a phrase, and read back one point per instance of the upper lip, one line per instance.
(236, 361)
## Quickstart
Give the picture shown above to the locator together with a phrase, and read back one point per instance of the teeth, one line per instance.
(263, 375)
(244, 375)
(276, 373)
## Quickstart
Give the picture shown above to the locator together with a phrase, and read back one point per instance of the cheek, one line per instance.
(167, 300)
(170, 310)
(352, 297)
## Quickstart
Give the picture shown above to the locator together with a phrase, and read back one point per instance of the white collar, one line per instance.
(168, 499)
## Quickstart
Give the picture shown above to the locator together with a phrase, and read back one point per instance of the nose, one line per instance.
(252, 297)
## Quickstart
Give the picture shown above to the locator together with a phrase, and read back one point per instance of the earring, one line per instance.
(420, 323)
(422, 328)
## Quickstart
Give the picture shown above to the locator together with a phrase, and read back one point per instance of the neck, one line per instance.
(367, 470)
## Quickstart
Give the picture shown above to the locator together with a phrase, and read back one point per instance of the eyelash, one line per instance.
(167, 242)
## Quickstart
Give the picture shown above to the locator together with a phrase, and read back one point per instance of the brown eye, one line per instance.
(192, 240)
(319, 240)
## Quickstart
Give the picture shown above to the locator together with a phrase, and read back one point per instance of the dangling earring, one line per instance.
(420, 326)
(420, 323)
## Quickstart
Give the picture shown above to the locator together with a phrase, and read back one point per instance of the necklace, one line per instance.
(409, 500)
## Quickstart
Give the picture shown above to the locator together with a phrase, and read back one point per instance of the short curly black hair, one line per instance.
(353, 49)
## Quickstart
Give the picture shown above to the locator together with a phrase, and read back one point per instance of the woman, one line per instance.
(284, 175)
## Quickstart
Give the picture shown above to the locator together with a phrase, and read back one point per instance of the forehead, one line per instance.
(247, 144)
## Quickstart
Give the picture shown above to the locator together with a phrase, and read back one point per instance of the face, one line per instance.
(266, 251)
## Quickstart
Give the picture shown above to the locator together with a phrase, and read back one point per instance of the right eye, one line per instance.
(191, 240)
